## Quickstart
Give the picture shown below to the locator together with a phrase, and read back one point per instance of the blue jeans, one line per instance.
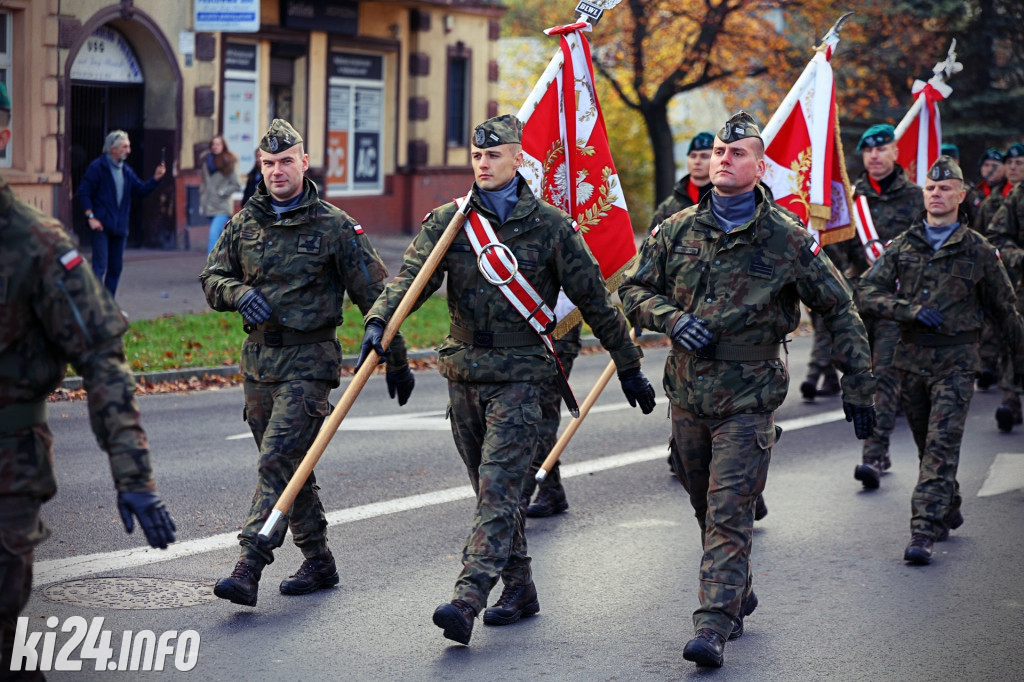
(108, 258)
(217, 224)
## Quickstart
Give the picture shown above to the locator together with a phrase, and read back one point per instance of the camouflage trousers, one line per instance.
(725, 467)
(884, 336)
(936, 409)
(495, 426)
(284, 418)
(567, 348)
(20, 531)
(821, 350)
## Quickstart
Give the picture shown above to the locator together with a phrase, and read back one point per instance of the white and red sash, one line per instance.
(873, 246)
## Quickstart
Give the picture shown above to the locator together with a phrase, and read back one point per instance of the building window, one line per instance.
(5, 78)
(458, 101)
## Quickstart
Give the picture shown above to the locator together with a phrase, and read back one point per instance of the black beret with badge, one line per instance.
(876, 136)
(279, 137)
(992, 154)
(945, 168)
(504, 129)
(741, 125)
(1015, 150)
(701, 141)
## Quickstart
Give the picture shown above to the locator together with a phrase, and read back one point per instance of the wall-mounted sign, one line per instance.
(235, 16)
(239, 57)
(355, 124)
(107, 57)
(354, 65)
(332, 16)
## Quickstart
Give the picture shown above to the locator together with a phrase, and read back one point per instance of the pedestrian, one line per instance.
(893, 203)
(496, 363)
(252, 179)
(106, 193)
(692, 187)
(1006, 232)
(934, 281)
(219, 183)
(55, 312)
(724, 281)
(285, 262)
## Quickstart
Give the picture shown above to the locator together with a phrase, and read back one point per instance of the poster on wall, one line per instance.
(240, 121)
(355, 124)
(234, 16)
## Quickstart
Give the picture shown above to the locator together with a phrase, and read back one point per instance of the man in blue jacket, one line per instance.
(106, 194)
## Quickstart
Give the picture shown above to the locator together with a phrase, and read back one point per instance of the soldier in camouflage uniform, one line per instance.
(496, 365)
(894, 202)
(973, 197)
(724, 280)
(934, 281)
(992, 170)
(53, 311)
(692, 187)
(998, 186)
(285, 262)
(1006, 232)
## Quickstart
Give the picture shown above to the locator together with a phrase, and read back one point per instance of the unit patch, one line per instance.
(309, 243)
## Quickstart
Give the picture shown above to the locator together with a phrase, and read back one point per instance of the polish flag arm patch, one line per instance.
(358, 228)
(575, 226)
(71, 259)
(654, 232)
(815, 248)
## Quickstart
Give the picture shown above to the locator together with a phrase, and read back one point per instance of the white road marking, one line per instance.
(56, 570)
(1005, 475)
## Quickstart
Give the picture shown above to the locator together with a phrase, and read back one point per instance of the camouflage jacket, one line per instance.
(1006, 231)
(987, 213)
(892, 212)
(551, 253)
(54, 311)
(748, 285)
(302, 264)
(675, 202)
(961, 280)
(971, 204)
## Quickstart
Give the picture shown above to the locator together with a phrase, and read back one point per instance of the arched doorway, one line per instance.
(122, 74)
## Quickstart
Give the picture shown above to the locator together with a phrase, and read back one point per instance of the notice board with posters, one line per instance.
(355, 124)
(240, 106)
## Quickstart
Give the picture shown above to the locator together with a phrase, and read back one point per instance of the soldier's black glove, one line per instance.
(637, 389)
(690, 332)
(930, 317)
(863, 419)
(254, 307)
(400, 383)
(372, 338)
(152, 514)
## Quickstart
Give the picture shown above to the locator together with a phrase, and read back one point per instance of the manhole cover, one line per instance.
(131, 593)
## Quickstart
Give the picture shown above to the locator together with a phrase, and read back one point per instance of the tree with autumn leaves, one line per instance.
(649, 51)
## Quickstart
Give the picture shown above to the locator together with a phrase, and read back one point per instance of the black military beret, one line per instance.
(992, 154)
(1015, 150)
(504, 129)
(279, 137)
(701, 141)
(739, 126)
(876, 136)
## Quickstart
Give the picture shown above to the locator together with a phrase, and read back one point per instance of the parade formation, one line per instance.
(913, 293)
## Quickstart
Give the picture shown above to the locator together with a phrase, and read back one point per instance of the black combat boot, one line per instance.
(760, 508)
(314, 574)
(550, 501)
(746, 608)
(987, 378)
(515, 602)
(809, 388)
(953, 520)
(868, 474)
(1005, 416)
(830, 383)
(706, 649)
(456, 619)
(241, 586)
(919, 551)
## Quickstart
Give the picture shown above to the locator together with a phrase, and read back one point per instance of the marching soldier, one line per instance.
(718, 279)
(934, 281)
(496, 363)
(992, 169)
(692, 187)
(893, 202)
(285, 262)
(994, 186)
(1006, 231)
(54, 311)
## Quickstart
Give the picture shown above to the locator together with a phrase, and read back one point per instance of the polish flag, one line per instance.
(568, 161)
(919, 134)
(804, 154)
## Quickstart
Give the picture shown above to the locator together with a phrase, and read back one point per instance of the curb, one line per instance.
(75, 383)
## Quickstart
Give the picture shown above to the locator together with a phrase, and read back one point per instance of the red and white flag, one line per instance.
(919, 134)
(803, 152)
(568, 161)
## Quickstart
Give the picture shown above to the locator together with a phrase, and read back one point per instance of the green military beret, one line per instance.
(701, 141)
(1015, 150)
(739, 126)
(945, 168)
(991, 154)
(279, 137)
(504, 129)
(876, 136)
(5, 99)
(950, 149)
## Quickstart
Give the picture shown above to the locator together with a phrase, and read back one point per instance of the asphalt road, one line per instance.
(617, 574)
